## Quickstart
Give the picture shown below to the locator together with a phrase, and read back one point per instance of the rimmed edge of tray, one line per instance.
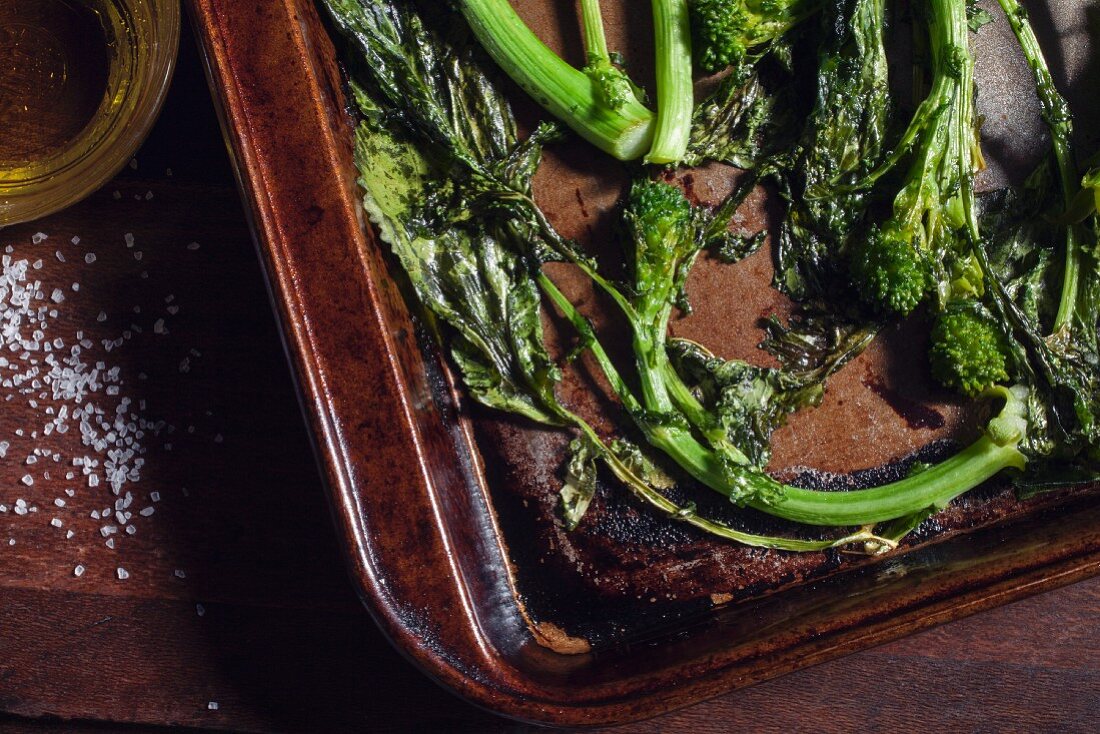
(291, 149)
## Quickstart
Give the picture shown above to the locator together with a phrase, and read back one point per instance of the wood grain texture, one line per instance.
(283, 645)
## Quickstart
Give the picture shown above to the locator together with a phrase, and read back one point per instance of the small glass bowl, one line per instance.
(142, 61)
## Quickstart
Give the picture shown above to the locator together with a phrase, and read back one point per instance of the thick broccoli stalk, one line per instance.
(598, 102)
(968, 352)
(728, 31)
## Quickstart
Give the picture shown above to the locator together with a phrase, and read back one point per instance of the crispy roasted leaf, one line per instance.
(436, 132)
(580, 481)
(749, 402)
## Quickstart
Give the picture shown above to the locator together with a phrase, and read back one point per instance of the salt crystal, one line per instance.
(27, 479)
(199, 609)
(89, 258)
(122, 573)
(158, 327)
(56, 522)
(180, 573)
(146, 511)
(193, 246)
(38, 238)
(212, 705)
(78, 571)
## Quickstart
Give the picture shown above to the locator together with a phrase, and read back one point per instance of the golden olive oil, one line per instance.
(60, 66)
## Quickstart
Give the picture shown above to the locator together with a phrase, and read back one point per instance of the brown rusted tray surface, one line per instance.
(447, 512)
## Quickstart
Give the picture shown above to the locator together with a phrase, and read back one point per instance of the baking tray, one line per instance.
(425, 497)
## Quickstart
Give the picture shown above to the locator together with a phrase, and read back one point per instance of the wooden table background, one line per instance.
(282, 643)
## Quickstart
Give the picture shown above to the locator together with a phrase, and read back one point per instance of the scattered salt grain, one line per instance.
(39, 237)
(27, 480)
(78, 571)
(179, 573)
(89, 258)
(56, 522)
(193, 246)
(212, 705)
(200, 610)
(122, 573)
(129, 239)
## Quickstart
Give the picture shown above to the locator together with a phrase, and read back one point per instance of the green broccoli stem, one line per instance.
(938, 485)
(675, 97)
(625, 132)
(1057, 116)
(595, 42)
(640, 489)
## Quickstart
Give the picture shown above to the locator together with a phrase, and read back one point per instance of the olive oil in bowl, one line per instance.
(81, 82)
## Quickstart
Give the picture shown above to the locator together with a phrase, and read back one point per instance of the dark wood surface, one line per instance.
(282, 643)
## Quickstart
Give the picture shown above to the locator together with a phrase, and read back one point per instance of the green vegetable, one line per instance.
(1061, 356)
(447, 181)
(727, 32)
(968, 351)
(934, 213)
(842, 141)
(891, 274)
(599, 102)
(666, 414)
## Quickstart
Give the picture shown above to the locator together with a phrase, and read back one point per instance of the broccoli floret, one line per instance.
(657, 211)
(968, 351)
(725, 31)
(890, 273)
